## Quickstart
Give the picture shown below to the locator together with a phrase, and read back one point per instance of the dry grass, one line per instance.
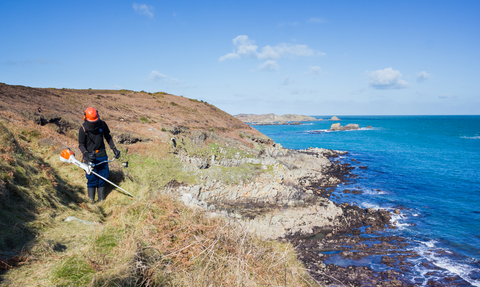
(160, 242)
(155, 241)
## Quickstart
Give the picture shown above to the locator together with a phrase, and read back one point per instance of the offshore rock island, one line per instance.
(210, 188)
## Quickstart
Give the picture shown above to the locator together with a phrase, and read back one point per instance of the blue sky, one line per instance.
(304, 57)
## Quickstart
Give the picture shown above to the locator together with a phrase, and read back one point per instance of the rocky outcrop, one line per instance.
(301, 221)
(334, 118)
(338, 127)
(281, 202)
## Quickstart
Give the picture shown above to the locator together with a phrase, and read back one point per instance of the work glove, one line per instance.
(89, 157)
(116, 152)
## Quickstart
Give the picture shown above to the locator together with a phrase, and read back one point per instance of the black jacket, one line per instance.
(91, 135)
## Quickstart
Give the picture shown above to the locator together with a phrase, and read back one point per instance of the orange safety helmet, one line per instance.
(90, 115)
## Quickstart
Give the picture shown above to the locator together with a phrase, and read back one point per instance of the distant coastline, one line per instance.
(272, 119)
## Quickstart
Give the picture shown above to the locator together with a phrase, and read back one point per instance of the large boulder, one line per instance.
(338, 127)
(334, 118)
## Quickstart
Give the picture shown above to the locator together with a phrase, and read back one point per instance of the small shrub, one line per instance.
(164, 129)
(144, 120)
(174, 104)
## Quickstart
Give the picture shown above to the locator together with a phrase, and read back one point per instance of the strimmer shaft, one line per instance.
(126, 192)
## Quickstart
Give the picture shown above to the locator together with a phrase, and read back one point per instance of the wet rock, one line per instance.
(387, 260)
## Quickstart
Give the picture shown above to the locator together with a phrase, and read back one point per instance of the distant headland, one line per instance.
(272, 119)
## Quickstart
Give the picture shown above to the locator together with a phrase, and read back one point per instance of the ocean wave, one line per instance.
(429, 251)
(370, 205)
(374, 192)
(471, 138)
(399, 218)
(317, 131)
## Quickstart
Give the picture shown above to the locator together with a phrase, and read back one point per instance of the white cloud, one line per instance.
(269, 65)
(143, 9)
(317, 20)
(387, 79)
(229, 56)
(246, 48)
(156, 76)
(422, 76)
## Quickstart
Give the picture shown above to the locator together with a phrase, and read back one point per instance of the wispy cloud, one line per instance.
(302, 92)
(269, 65)
(447, 96)
(156, 76)
(143, 9)
(387, 79)
(315, 70)
(246, 48)
(422, 76)
(317, 20)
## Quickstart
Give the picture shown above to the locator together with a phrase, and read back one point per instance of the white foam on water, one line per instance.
(369, 205)
(399, 218)
(315, 131)
(471, 138)
(429, 251)
(416, 214)
(374, 192)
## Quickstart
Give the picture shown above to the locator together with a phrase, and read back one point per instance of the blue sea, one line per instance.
(428, 167)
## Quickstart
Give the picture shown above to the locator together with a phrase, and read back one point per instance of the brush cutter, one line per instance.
(68, 156)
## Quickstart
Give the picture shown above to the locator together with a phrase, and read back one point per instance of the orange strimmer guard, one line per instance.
(66, 153)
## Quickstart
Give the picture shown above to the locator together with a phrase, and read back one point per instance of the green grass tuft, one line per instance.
(73, 271)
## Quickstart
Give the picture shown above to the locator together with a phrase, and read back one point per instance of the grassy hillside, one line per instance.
(153, 241)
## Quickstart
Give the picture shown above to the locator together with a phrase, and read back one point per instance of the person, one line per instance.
(91, 143)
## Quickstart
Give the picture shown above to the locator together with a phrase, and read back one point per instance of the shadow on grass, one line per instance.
(115, 176)
(31, 194)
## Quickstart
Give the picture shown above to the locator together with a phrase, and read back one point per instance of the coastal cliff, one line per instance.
(210, 188)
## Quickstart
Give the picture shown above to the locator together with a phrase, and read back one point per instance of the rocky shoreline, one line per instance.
(292, 203)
